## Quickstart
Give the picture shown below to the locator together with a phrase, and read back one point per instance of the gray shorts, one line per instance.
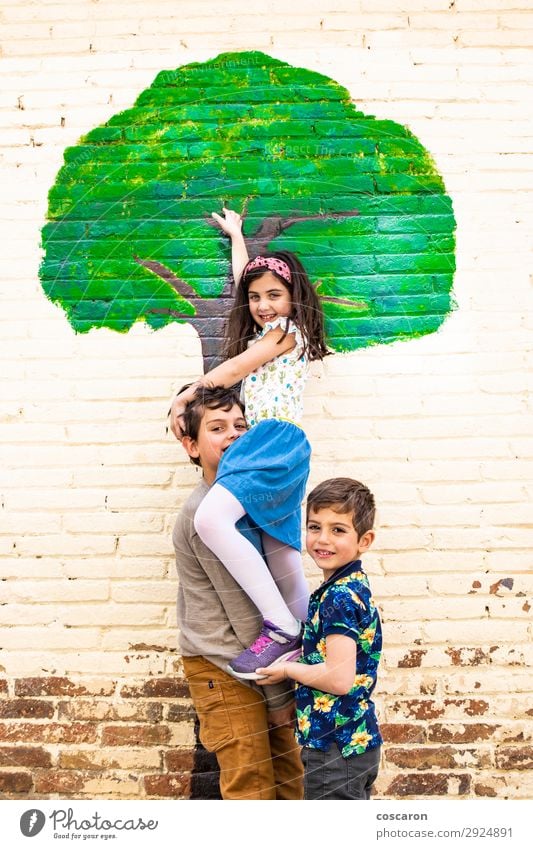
(330, 776)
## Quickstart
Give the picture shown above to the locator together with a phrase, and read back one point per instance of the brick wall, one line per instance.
(92, 702)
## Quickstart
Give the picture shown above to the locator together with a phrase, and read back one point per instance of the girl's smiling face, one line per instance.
(268, 298)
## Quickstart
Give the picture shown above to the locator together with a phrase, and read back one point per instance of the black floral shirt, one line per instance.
(341, 605)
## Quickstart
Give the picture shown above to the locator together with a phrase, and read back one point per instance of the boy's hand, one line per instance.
(272, 674)
(231, 223)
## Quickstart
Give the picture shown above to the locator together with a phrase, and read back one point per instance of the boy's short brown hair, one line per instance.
(210, 398)
(345, 495)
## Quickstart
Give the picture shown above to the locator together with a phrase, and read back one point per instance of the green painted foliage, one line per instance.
(250, 132)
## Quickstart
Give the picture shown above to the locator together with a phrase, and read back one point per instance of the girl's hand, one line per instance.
(231, 223)
(176, 418)
(177, 408)
(272, 674)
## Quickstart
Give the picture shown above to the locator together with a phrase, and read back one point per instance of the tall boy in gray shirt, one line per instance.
(247, 726)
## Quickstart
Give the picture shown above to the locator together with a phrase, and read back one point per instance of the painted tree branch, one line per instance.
(180, 286)
(173, 313)
(274, 225)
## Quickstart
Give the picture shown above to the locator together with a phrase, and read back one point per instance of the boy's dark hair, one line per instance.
(344, 495)
(211, 398)
(306, 310)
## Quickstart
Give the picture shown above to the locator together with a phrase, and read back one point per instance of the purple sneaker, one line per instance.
(271, 647)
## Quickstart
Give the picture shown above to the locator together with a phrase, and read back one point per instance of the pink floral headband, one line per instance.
(272, 264)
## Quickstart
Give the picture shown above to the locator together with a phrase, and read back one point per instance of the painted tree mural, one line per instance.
(129, 235)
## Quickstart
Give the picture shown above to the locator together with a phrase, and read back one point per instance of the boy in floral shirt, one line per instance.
(337, 724)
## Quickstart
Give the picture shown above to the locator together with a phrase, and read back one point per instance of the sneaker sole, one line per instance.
(253, 676)
(249, 676)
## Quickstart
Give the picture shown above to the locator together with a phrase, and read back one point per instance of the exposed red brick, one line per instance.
(85, 760)
(509, 735)
(432, 709)
(56, 686)
(419, 758)
(15, 782)
(179, 713)
(412, 658)
(25, 709)
(150, 647)
(420, 708)
(472, 707)
(3, 687)
(59, 781)
(434, 784)
(514, 757)
(97, 710)
(468, 656)
(135, 735)
(461, 733)
(176, 785)
(442, 757)
(402, 732)
(24, 756)
(485, 790)
(179, 761)
(165, 688)
(49, 732)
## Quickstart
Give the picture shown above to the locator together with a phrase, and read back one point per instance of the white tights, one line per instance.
(279, 590)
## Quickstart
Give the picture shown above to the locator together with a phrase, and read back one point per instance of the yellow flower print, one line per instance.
(321, 647)
(360, 738)
(323, 703)
(363, 705)
(303, 723)
(356, 598)
(362, 681)
(361, 577)
(368, 635)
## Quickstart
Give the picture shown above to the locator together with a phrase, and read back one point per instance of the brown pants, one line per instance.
(256, 762)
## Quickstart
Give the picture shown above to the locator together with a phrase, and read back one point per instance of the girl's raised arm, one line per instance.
(231, 224)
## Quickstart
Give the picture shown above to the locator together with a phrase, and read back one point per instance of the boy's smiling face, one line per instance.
(218, 430)
(332, 540)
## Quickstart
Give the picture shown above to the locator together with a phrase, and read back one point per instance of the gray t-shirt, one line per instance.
(216, 618)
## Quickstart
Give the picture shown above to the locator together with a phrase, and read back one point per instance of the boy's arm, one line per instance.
(231, 224)
(335, 675)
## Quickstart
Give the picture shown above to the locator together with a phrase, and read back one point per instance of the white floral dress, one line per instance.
(275, 389)
(267, 468)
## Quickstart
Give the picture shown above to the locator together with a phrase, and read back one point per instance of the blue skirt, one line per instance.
(266, 470)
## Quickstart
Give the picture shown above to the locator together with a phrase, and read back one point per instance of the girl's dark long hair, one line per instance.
(306, 312)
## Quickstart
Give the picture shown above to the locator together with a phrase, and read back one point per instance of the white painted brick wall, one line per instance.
(440, 428)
